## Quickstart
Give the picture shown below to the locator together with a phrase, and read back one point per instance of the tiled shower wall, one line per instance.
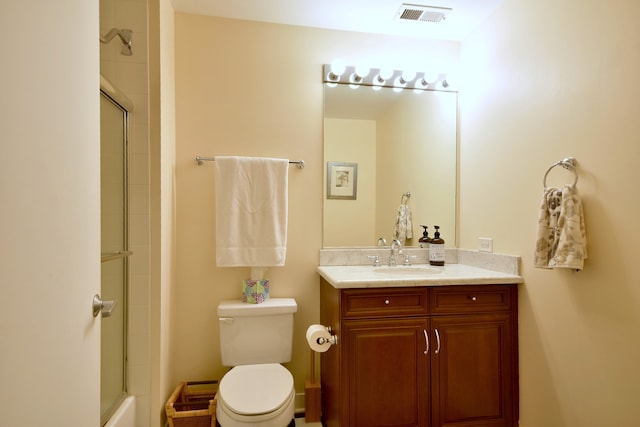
(130, 75)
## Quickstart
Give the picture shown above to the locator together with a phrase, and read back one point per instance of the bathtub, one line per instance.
(125, 416)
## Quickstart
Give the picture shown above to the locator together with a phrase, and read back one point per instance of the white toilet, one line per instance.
(255, 339)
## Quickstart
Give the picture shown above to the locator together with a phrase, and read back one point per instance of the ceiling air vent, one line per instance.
(419, 13)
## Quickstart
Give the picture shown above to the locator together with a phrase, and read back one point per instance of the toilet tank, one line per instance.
(256, 333)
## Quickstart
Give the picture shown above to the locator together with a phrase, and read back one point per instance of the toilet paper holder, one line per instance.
(333, 339)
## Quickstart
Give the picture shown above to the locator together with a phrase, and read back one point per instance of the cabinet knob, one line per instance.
(473, 298)
(386, 302)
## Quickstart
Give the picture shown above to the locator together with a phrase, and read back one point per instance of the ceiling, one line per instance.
(368, 16)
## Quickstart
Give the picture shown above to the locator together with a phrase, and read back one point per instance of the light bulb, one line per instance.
(399, 82)
(407, 76)
(421, 83)
(450, 81)
(332, 77)
(336, 70)
(430, 77)
(362, 71)
(384, 75)
(355, 78)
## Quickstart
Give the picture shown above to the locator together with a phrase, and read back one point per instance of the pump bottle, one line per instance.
(436, 248)
(425, 239)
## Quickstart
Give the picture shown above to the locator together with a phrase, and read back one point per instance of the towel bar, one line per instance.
(199, 160)
(568, 163)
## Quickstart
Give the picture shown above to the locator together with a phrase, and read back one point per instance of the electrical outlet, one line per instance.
(485, 244)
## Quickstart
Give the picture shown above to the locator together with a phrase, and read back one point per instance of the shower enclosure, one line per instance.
(114, 139)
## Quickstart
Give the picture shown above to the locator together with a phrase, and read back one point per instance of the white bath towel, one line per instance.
(251, 211)
(561, 240)
(404, 224)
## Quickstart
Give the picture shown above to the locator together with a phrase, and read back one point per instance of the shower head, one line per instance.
(125, 37)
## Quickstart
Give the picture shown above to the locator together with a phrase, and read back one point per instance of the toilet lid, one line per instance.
(256, 389)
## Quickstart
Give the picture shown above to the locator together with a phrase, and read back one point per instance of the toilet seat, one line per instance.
(256, 394)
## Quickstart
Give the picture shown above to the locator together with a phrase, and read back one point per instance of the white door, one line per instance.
(49, 214)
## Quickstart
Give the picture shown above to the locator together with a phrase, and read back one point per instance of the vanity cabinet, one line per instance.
(442, 356)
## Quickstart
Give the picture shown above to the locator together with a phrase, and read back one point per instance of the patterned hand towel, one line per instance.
(404, 224)
(561, 239)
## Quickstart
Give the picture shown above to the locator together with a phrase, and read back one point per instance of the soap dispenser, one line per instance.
(425, 239)
(436, 248)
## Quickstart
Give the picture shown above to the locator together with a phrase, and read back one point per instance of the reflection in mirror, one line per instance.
(402, 142)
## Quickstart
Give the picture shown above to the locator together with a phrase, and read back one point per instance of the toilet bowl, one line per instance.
(261, 395)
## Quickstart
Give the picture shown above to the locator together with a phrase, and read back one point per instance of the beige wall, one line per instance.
(546, 80)
(162, 201)
(255, 89)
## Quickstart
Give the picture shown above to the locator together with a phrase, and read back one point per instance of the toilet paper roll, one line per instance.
(317, 334)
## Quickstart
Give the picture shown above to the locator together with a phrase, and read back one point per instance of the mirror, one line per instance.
(402, 142)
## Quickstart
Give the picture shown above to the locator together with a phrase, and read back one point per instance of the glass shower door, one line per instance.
(114, 248)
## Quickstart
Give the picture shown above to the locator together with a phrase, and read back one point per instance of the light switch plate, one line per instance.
(485, 244)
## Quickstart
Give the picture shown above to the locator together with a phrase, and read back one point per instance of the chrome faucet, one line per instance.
(392, 256)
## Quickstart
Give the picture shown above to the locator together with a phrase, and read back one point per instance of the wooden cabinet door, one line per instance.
(387, 373)
(471, 368)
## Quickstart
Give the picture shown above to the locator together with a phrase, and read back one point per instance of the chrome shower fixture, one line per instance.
(125, 36)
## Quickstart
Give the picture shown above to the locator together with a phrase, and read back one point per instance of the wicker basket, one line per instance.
(193, 404)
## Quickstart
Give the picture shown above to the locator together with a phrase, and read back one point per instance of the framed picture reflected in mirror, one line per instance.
(342, 180)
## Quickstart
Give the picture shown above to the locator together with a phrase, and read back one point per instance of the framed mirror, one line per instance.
(402, 142)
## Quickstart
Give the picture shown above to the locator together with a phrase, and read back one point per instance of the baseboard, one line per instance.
(300, 405)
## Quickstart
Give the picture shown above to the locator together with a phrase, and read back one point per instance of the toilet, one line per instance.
(255, 339)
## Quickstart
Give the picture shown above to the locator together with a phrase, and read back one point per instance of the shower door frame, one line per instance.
(120, 101)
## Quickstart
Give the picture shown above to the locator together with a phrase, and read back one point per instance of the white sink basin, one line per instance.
(407, 271)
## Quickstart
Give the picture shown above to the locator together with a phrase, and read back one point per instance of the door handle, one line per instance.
(104, 307)
(426, 341)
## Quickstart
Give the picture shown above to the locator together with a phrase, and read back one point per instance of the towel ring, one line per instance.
(568, 163)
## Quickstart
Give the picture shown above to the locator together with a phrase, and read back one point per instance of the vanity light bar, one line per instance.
(380, 77)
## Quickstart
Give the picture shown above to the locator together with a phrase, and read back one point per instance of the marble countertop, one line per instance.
(361, 276)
